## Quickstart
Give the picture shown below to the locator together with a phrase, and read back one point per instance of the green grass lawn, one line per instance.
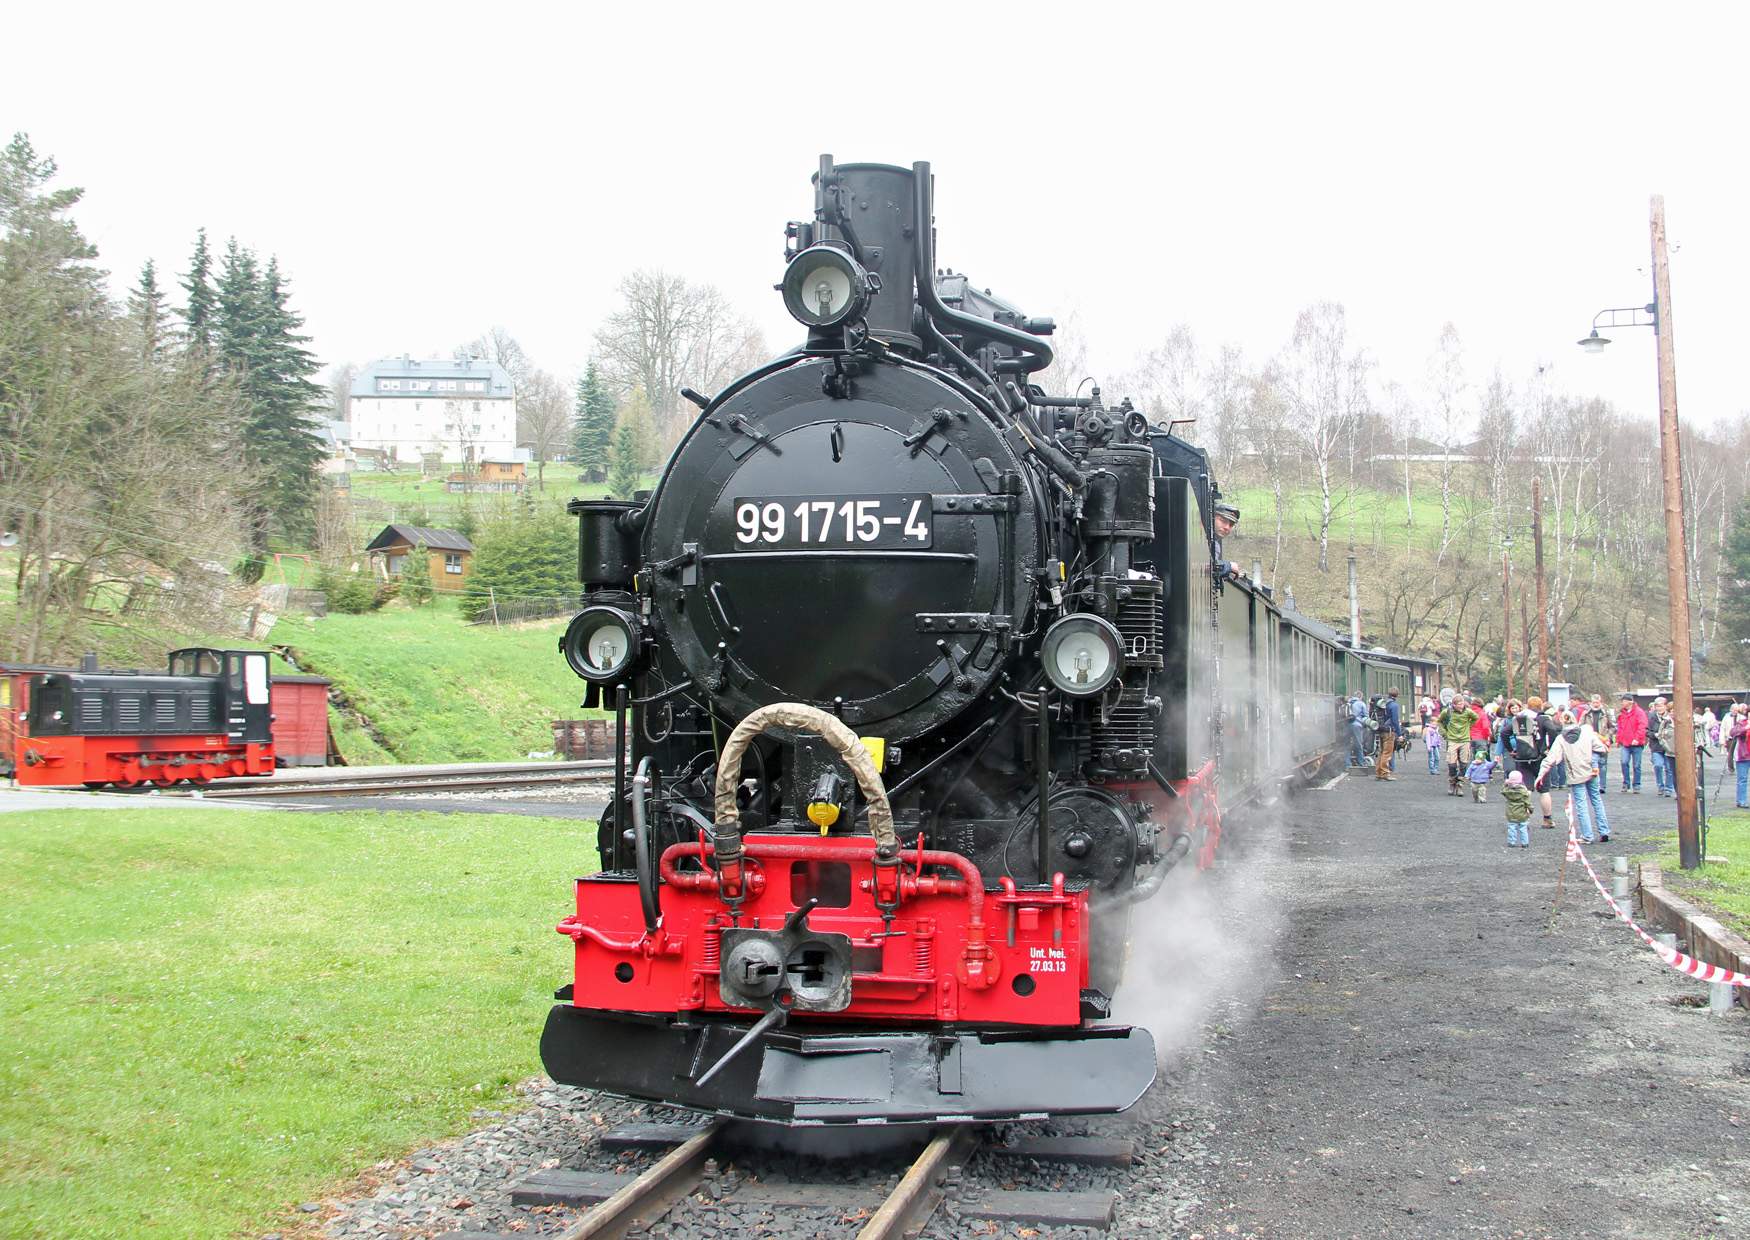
(213, 1015)
(440, 690)
(1724, 886)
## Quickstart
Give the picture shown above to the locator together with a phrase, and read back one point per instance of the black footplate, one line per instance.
(851, 1077)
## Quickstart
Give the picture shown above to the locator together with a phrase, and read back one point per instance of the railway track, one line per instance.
(685, 1189)
(397, 784)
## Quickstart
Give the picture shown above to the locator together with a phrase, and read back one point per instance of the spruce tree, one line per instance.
(237, 323)
(255, 339)
(623, 472)
(291, 403)
(636, 447)
(592, 427)
(146, 310)
(197, 312)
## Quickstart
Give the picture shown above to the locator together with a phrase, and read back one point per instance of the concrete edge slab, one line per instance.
(1708, 940)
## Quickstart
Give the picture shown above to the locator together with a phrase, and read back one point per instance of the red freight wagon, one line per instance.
(300, 720)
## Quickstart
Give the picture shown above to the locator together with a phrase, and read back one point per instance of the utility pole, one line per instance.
(1525, 628)
(1354, 607)
(1542, 687)
(1676, 551)
(1555, 624)
(1506, 615)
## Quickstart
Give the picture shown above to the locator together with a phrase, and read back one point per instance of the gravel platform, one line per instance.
(1367, 1030)
(1431, 1060)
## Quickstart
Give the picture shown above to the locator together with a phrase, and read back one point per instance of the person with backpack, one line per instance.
(1631, 739)
(1533, 733)
(1391, 726)
(1456, 722)
(1518, 751)
(1574, 757)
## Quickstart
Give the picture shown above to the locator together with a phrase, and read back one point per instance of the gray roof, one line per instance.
(404, 367)
(437, 540)
(1318, 628)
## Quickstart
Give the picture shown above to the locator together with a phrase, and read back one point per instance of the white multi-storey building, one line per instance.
(464, 409)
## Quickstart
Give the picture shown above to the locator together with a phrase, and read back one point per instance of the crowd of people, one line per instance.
(1537, 749)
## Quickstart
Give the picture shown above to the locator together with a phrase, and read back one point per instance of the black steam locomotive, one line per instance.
(919, 677)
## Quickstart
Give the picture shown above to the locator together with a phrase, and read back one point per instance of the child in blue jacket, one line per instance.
(1481, 769)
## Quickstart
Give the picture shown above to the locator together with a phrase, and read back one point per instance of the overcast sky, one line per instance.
(426, 172)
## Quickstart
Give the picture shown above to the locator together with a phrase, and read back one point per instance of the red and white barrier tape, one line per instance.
(1670, 955)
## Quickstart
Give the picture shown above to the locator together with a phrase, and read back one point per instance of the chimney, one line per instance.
(88, 662)
(1354, 607)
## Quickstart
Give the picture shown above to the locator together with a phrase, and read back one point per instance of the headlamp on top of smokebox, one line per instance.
(1083, 655)
(601, 644)
(825, 287)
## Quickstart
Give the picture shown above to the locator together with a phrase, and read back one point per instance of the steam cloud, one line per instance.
(1204, 947)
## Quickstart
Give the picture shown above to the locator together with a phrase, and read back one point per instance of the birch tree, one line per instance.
(1324, 385)
(1447, 387)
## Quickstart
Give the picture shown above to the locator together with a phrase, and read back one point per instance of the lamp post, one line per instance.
(1657, 315)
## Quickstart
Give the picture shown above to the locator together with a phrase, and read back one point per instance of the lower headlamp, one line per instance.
(1083, 654)
(601, 644)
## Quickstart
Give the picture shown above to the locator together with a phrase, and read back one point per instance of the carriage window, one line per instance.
(255, 679)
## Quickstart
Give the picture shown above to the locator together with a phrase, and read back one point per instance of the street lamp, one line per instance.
(1657, 315)
(1595, 343)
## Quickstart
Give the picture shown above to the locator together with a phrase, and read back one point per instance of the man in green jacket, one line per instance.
(1455, 724)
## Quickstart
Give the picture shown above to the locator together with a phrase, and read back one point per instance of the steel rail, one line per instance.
(919, 1191)
(392, 786)
(649, 1197)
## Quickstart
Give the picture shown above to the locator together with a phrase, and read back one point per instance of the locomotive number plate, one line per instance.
(898, 522)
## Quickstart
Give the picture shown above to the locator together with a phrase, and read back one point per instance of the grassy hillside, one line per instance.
(268, 1003)
(1614, 627)
(435, 689)
(1361, 517)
